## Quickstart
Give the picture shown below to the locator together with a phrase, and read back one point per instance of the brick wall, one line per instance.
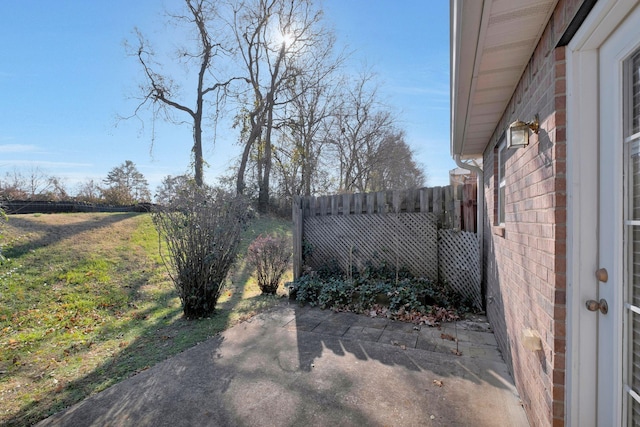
(525, 274)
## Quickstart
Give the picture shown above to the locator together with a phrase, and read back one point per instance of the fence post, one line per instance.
(469, 207)
(297, 236)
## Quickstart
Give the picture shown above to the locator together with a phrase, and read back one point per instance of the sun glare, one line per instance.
(288, 39)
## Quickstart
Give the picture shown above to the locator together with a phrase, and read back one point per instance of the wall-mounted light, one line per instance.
(518, 132)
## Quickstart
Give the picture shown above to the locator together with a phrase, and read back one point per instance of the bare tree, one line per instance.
(56, 189)
(359, 127)
(36, 184)
(172, 188)
(88, 191)
(13, 186)
(161, 92)
(313, 101)
(393, 165)
(272, 37)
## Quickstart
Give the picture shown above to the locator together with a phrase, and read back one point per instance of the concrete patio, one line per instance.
(304, 366)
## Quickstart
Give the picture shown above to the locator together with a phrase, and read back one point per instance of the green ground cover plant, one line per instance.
(382, 290)
(86, 302)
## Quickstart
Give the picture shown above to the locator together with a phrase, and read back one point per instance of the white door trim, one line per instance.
(582, 208)
(582, 242)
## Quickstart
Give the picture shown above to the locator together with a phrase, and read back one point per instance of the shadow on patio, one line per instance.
(295, 366)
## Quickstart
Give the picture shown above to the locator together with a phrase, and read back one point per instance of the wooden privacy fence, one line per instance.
(398, 228)
(454, 208)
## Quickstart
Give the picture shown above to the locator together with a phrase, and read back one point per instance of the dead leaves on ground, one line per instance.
(436, 316)
(448, 337)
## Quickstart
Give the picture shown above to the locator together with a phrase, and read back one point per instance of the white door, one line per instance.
(617, 303)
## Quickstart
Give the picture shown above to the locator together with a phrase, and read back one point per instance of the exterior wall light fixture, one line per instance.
(518, 132)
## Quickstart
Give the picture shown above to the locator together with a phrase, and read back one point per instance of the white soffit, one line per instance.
(491, 44)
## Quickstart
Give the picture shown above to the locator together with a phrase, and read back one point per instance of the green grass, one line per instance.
(85, 302)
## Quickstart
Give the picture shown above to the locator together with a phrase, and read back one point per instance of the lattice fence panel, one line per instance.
(460, 263)
(407, 238)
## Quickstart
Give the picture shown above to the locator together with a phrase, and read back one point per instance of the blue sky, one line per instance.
(65, 77)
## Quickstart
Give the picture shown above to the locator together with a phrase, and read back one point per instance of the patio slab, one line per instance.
(276, 369)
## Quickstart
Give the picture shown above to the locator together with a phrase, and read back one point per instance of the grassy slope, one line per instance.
(86, 302)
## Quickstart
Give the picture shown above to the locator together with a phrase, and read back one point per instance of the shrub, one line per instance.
(202, 231)
(270, 256)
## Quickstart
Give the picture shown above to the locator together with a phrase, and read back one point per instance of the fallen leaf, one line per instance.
(404, 347)
(438, 383)
(448, 337)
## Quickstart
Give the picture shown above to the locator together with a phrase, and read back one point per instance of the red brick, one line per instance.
(558, 409)
(559, 363)
(559, 312)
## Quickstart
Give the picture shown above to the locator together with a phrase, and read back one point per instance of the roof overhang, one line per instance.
(491, 44)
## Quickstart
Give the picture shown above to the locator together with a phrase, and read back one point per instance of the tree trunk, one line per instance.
(263, 195)
(256, 129)
(198, 162)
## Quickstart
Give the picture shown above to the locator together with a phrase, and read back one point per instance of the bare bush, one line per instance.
(270, 256)
(202, 231)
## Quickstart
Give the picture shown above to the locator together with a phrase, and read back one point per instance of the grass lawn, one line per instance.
(86, 302)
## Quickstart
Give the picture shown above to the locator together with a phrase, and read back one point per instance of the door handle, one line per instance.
(593, 305)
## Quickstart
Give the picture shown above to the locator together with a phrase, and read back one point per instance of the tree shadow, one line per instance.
(387, 341)
(52, 234)
(159, 339)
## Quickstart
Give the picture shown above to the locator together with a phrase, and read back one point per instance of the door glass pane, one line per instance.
(632, 173)
(635, 411)
(634, 344)
(635, 88)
